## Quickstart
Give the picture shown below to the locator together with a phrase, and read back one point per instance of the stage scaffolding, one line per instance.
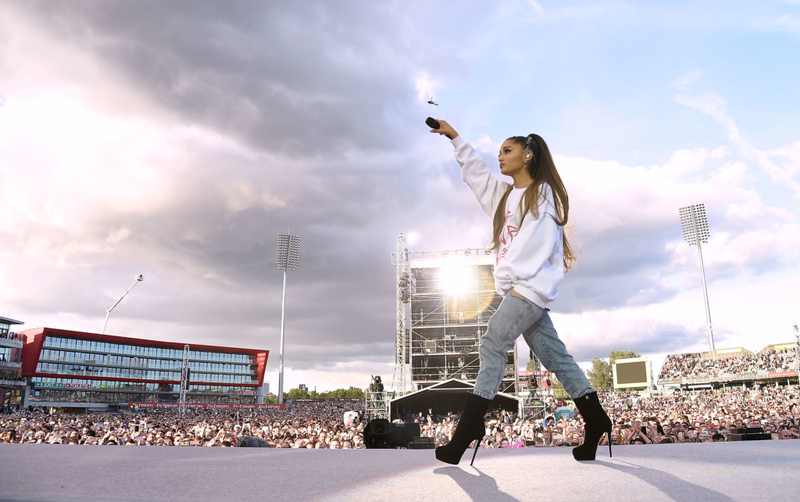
(444, 302)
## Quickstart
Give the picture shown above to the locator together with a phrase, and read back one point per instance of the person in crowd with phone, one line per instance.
(532, 254)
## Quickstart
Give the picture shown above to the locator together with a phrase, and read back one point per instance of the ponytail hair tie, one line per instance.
(532, 145)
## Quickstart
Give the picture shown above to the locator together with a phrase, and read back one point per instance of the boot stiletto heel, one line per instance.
(597, 424)
(477, 445)
(470, 428)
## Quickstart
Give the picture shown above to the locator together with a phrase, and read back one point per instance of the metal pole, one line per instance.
(283, 326)
(705, 297)
(703, 276)
(108, 313)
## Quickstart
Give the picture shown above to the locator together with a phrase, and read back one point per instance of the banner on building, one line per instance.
(209, 406)
(782, 374)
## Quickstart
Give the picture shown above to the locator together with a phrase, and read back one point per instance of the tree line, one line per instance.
(600, 375)
(350, 393)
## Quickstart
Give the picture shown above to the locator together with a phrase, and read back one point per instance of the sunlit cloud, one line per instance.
(426, 87)
(715, 106)
(537, 8)
(130, 145)
(687, 79)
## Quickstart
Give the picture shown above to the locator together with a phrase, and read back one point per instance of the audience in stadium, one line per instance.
(639, 418)
(677, 366)
(302, 425)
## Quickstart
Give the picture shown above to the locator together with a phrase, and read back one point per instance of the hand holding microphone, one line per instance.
(441, 127)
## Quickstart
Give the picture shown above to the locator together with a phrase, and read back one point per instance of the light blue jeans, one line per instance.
(517, 316)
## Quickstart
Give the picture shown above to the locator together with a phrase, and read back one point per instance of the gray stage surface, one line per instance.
(752, 470)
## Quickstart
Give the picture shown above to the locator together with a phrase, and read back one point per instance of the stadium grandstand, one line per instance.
(777, 362)
(72, 370)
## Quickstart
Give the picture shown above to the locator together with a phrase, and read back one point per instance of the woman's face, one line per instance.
(511, 158)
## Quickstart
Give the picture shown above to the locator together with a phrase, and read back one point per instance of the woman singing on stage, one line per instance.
(531, 256)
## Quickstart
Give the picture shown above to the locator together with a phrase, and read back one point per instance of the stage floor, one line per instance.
(748, 470)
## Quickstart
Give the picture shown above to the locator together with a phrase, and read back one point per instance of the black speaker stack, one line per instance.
(380, 433)
(748, 434)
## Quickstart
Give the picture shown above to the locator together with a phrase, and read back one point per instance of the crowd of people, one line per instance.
(702, 416)
(693, 365)
(302, 425)
(639, 418)
(678, 365)
(647, 418)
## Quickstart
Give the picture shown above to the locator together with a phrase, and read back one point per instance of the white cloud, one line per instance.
(54, 146)
(536, 7)
(115, 236)
(426, 87)
(607, 195)
(714, 105)
(240, 195)
(678, 324)
(792, 155)
(789, 22)
(485, 144)
(687, 79)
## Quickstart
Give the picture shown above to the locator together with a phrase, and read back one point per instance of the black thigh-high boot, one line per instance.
(470, 428)
(597, 424)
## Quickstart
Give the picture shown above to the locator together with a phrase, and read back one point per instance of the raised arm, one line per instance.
(486, 187)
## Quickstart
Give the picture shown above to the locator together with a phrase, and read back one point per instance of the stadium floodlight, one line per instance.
(287, 258)
(695, 231)
(288, 255)
(139, 278)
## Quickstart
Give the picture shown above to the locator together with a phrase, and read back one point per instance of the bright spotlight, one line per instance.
(456, 280)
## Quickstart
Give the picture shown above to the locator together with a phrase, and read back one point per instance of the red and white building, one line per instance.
(78, 370)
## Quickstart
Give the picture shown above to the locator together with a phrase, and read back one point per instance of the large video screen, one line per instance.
(631, 373)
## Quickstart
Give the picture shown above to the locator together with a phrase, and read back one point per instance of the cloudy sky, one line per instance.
(178, 139)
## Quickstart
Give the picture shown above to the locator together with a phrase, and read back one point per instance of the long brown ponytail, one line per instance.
(543, 172)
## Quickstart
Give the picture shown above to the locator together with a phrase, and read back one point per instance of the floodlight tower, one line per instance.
(139, 278)
(287, 258)
(695, 231)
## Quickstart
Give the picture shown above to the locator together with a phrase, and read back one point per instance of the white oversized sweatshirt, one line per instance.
(529, 259)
